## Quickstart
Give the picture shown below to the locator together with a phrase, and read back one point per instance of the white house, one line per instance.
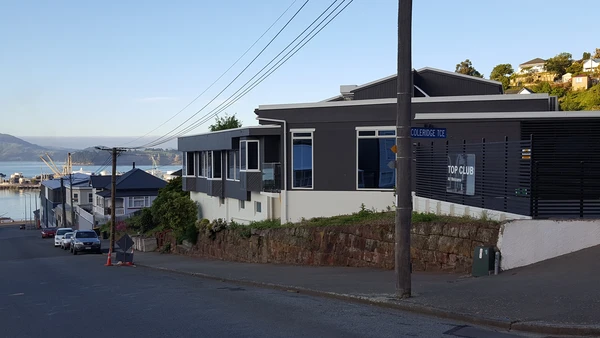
(591, 65)
(536, 65)
(525, 91)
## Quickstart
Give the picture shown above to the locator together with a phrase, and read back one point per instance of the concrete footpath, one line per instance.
(559, 296)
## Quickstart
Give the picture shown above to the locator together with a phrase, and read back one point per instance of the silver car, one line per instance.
(60, 234)
(66, 241)
(85, 241)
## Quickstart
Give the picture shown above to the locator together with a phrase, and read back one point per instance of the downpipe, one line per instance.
(285, 170)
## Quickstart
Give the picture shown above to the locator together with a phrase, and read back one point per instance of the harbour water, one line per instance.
(15, 203)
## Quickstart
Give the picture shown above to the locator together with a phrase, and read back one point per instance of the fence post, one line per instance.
(581, 189)
(532, 179)
(446, 190)
(464, 153)
(482, 174)
(430, 185)
(506, 173)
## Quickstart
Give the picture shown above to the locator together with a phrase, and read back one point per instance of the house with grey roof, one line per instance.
(135, 189)
(536, 65)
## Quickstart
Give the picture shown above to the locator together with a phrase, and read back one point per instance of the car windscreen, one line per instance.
(63, 231)
(68, 235)
(86, 235)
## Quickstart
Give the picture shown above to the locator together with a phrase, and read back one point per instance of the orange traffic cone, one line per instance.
(109, 259)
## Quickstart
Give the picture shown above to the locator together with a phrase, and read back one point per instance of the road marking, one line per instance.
(17, 294)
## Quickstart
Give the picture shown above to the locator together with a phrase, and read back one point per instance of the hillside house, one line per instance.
(591, 65)
(536, 65)
(581, 82)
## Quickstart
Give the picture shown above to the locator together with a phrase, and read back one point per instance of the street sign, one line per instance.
(419, 132)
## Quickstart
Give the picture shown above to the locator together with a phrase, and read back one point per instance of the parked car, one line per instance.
(48, 232)
(60, 234)
(66, 241)
(85, 241)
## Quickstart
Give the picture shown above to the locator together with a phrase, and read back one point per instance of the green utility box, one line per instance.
(483, 261)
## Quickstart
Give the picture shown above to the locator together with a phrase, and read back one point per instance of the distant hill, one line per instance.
(15, 149)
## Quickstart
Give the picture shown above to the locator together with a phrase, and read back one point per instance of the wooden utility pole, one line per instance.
(113, 192)
(71, 190)
(404, 151)
(63, 197)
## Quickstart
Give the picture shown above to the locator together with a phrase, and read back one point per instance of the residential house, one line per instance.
(581, 82)
(591, 65)
(330, 157)
(526, 90)
(523, 90)
(567, 77)
(76, 187)
(536, 65)
(52, 194)
(135, 190)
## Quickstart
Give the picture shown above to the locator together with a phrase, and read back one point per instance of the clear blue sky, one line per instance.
(120, 68)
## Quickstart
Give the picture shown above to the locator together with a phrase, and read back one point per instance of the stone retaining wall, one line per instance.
(435, 246)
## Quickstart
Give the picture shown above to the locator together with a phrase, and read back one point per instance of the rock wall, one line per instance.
(435, 246)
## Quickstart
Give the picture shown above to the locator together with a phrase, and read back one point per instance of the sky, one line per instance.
(123, 68)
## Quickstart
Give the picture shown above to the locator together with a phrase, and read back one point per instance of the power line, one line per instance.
(269, 72)
(224, 105)
(237, 76)
(219, 78)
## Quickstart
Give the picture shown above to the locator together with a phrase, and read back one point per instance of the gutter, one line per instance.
(285, 169)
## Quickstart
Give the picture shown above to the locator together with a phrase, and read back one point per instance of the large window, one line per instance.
(233, 168)
(189, 161)
(210, 164)
(75, 197)
(375, 158)
(217, 164)
(139, 202)
(302, 159)
(249, 155)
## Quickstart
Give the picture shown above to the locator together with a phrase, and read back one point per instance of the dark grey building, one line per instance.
(473, 146)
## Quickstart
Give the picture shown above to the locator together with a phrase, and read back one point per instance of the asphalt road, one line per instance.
(47, 292)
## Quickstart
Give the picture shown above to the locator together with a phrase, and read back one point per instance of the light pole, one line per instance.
(30, 211)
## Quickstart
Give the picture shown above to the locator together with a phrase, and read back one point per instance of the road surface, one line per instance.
(47, 292)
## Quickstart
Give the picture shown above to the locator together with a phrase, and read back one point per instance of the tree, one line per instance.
(586, 56)
(466, 67)
(559, 64)
(173, 209)
(575, 68)
(597, 54)
(225, 122)
(502, 73)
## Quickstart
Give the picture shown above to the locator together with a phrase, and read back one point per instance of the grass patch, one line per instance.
(366, 217)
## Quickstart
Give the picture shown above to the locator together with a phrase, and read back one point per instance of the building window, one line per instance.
(137, 202)
(302, 159)
(75, 197)
(217, 164)
(258, 207)
(233, 168)
(242, 204)
(249, 155)
(374, 154)
(189, 164)
(202, 164)
(91, 198)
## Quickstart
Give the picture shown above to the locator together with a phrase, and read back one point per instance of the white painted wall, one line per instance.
(524, 242)
(427, 205)
(230, 208)
(309, 204)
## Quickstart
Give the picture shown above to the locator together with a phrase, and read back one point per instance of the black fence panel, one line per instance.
(566, 168)
(489, 175)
